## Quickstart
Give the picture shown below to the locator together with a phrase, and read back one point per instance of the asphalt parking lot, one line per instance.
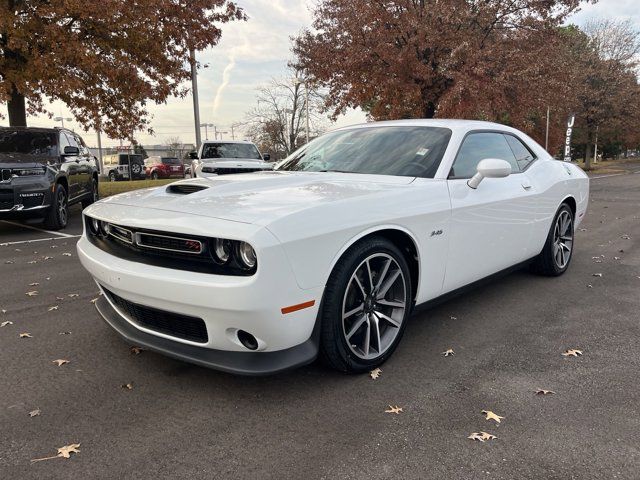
(183, 421)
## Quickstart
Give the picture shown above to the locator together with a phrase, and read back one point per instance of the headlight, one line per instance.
(247, 255)
(222, 250)
(94, 225)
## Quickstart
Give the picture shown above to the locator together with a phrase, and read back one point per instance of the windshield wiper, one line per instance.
(334, 171)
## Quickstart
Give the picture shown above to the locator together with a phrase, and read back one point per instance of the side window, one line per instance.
(83, 148)
(72, 140)
(478, 146)
(523, 155)
(64, 141)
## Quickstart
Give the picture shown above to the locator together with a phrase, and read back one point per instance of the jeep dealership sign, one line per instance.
(567, 140)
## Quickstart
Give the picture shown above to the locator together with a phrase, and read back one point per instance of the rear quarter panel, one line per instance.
(555, 181)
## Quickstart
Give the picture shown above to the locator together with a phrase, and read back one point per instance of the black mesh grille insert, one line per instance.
(169, 323)
(185, 188)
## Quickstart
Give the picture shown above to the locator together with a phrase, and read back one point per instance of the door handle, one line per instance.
(526, 185)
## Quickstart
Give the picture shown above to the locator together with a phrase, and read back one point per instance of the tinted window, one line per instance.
(390, 150)
(170, 161)
(478, 146)
(29, 143)
(523, 155)
(230, 150)
(72, 140)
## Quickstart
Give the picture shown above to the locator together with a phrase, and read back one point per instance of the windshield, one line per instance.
(230, 150)
(170, 161)
(386, 150)
(28, 142)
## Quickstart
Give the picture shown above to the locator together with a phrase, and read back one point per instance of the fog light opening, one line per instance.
(247, 340)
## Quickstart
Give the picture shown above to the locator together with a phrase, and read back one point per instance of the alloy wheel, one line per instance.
(374, 306)
(563, 239)
(62, 206)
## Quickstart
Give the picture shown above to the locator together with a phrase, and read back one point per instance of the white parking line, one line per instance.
(20, 242)
(59, 234)
(610, 175)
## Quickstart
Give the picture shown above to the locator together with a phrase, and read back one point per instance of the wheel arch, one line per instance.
(62, 180)
(401, 238)
(573, 205)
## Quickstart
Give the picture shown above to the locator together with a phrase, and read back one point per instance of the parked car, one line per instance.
(116, 166)
(163, 167)
(227, 157)
(42, 172)
(331, 252)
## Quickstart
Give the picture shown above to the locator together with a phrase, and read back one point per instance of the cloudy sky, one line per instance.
(252, 52)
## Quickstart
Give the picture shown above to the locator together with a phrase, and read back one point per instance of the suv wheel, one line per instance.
(58, 213)
(366, 306)
(154, 175)
(112, 176)
(94, 194)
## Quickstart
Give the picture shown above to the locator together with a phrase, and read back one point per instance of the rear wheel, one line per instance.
(94, 194)
(58, 213)
(154, 176)
(558, 249)
(112, 176)
(365, 307)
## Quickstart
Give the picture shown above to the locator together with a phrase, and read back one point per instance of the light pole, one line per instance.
(194, 88)
(546, 135)
(206, 131)
(62, 119)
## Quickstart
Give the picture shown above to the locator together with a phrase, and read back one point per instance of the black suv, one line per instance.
(42, 172)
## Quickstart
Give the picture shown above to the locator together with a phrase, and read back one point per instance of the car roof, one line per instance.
(35, 129)
(454, 124)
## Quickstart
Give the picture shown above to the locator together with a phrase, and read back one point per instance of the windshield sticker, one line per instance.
(422, 152)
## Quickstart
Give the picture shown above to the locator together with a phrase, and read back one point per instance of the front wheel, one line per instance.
(58, 213)
(366, 305)
(112, 176)
(558, 248)
(154, 176)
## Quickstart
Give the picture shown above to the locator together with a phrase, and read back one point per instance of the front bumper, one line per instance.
(241, 363)
(226, 304)
(23, 196)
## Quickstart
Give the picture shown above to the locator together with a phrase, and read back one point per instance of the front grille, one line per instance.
(31, 200)
(172, 244)
(169, 323)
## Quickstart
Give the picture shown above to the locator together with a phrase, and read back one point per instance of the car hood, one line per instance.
(262, 197)
(236, 162)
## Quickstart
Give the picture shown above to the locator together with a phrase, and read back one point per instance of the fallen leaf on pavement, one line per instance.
(375, 373)
(3, 311)
(596, 274)
(64, 333)
(127, 386)
(33, 261)
(94, 300)
(453, 318)
(34, 284)
(625, 237)
(51, 309)
(59, 298)
(545, 392)
(481, 436)
(63, 452)
(448, 352)
(47, 258)
(25, 335)
(4, 324)
(589, 286)
(60, 362)
(66, 254)
(32, 293)
(8, 262)
(395, 410)
(492, 416)
(34, 413)
(73, 295)
(572, 353)
(135, 350)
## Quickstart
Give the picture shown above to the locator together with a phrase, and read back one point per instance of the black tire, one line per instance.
(112, 176)
(154, 176)
(546, 263)
(335, 351)
(95, 195)
(58, 213)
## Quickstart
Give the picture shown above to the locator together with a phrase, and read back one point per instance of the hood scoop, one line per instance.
(185, 188)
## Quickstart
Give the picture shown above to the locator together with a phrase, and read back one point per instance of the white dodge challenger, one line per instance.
(328, 255)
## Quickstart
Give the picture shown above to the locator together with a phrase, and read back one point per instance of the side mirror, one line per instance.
(69, 150)
(266, 157)
(490, 168)
(193, 155)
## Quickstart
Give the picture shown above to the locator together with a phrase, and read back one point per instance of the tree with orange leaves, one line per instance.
(105, 60)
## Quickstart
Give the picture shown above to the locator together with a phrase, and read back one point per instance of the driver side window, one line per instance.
(478, 146)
